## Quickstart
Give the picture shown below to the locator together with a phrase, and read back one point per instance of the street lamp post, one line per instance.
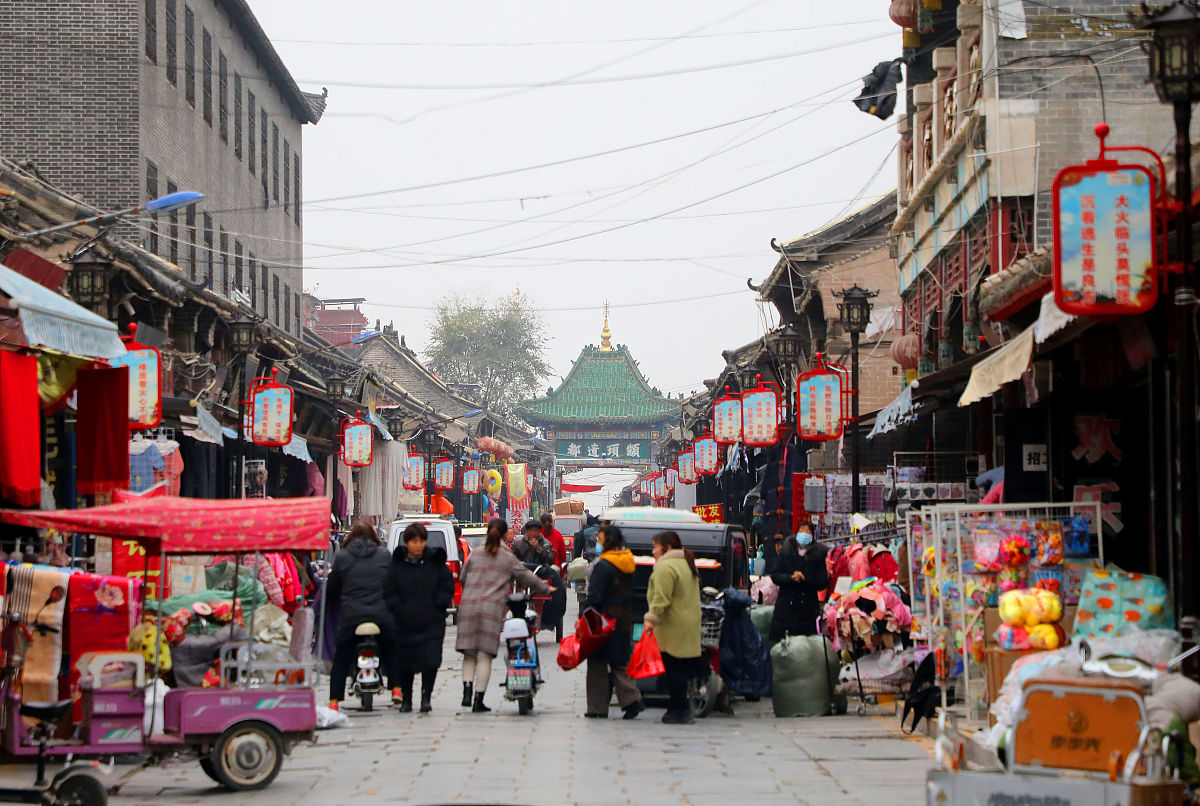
(1174, 51)
(242, 340)
(854, 312)
(163, 204)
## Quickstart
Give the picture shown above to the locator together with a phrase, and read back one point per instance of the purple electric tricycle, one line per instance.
(240, 730)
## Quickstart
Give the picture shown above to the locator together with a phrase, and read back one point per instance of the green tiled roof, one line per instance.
(605, 387)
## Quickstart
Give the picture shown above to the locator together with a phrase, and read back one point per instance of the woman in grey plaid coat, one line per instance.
(486, 582)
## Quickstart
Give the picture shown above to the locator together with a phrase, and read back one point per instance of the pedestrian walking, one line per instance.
(611, 592)
(424, 589)
(555, 539)
(674, 617)
(486, 580)
(800, 575)
(533, 547)
(361, 586)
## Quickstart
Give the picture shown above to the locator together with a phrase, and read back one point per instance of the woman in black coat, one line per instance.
(360, 586)
(610, 590)
(424, 589)
(801, 575)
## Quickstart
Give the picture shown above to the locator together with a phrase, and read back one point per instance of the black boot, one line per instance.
(479, 707)
(427, 692)
(467, 693)
(406, 702)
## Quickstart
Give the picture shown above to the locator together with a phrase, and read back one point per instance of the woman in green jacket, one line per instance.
(674, 616)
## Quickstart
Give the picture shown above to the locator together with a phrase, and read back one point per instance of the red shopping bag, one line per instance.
(568, 653)
(646, 660)
(592, 630)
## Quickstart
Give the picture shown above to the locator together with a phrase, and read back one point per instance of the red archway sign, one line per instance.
(145, 381)
(271, 408)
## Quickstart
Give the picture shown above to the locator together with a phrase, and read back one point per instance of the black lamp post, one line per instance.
(90, 271)
(854, 312)
(786, 346)
(335, 385)
(1174, 51)
(243, 333)
(428, 441)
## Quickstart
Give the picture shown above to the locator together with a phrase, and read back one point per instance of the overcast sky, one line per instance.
(667, 223)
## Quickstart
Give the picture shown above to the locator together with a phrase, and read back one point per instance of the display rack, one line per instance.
(940, 607)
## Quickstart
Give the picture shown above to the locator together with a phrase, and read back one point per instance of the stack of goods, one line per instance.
(1031, 620)
(1115, 602)
(805, 673)
(872, 616)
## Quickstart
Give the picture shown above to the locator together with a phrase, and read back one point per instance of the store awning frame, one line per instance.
(899, 412)
(1005, 365)
(51, 321)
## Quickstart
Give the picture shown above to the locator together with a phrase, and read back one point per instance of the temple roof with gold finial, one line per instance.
(603, 388)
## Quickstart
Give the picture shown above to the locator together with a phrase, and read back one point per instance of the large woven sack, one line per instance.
(761, 616)
(805, 671)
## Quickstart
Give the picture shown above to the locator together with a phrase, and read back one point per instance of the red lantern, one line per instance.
(145, 381)
(727, 418)
(906, 351)
(358, 442)
(270, 405)
(470, 481)
(708, 456)
(443, 473)
(760, 416)
(687, 467)
(414, 472)
(820, 396)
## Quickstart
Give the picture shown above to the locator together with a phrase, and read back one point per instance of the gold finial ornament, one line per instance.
(605, 335)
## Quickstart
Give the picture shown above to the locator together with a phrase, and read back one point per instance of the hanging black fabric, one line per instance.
(878, 96)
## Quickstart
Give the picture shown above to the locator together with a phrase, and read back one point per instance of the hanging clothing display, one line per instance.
(371, 483)
(102, 430)
(144, 463)
(172, 464)
(345, 476)
(395, 459)
(315, 482)
(199, 475)
(20, 431)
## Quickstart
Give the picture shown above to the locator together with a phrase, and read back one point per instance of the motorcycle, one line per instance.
(521, 653)
(367, 680)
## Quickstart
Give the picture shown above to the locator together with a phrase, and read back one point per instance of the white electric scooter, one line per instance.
(521, 656)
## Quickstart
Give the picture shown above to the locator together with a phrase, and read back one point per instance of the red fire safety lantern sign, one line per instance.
(270, 412)
(687, 467)
(145, 381)
(672, 477)
(660, 488)
(414, 472)
(819, 401)
(760, 416)
(357, 442)
(727, 419)
(707, 456)
(443, 473)
(1106, 240)
(470, 482)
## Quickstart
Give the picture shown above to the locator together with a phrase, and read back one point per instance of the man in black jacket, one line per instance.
(801, 576)
(533, 548)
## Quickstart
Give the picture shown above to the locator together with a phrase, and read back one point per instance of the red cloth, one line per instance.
(560, 545)
(102, 430)
(101, 612)
(20, 430)
(580, 488)
(196, 526)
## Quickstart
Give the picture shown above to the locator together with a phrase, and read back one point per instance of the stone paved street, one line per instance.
(556, 758)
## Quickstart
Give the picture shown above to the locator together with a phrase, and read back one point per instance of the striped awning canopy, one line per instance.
(52, 321)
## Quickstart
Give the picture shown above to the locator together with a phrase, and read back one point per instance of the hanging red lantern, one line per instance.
(414, 471)
(145, 381)
(271, 407)
(470, 481)
(821, 401)
(708, 459)
(760, 415)
(687, 467)
(358, 442)
(727, 418)
(443, 473)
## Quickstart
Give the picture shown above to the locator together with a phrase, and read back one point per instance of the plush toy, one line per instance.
(175, 626)
(1011, 579)
(1015, 550)
(1010, 637)
(142, 639)
(1049, 543)
(929, 562)
(1047, 636)
(1029, 607)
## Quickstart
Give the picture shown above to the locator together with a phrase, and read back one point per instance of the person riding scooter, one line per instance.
(533, 548)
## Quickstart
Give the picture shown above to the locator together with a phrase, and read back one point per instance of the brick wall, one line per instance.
(68, 94)
(1067, 91)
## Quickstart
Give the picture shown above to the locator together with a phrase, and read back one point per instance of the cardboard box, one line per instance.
(568, 506)
(997, 663)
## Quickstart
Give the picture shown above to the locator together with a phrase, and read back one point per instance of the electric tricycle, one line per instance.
(239, 730)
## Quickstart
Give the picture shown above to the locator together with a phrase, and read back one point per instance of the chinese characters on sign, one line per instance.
(518, 486)
(1104, 255)
(709, 513)
(470, 482)
(820, 404)
(727, 419)
(271, 415)
(145, 390)
(604, 451)
(357, 443)
(414, 472)
(707, 458)
(760, 417)
(687, 468)
(443, 474)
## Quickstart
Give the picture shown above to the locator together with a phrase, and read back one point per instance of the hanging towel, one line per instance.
(102, 430)
(20, 431)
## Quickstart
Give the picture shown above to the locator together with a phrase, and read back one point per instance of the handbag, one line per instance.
(646, 660)
(568, 653)
(592, 631)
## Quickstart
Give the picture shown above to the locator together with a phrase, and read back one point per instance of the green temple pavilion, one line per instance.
(605, 413)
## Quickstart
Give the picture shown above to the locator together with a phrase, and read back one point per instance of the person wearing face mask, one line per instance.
(801, 575)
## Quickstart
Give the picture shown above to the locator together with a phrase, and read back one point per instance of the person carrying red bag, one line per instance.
(674, 616)
(610, 591)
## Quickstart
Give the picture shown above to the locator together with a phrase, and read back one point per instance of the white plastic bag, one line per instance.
(152, 720)
(328, 718)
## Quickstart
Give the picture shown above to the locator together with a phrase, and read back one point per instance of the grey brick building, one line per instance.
(120, 101)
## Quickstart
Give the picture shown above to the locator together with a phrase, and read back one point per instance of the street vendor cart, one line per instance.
(240, 729)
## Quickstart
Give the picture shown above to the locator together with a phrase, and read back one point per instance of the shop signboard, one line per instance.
(1105, 256)
(443, 473)
(672, 477)
(709, 513)
(819, 393)
(270, 413)
(129, 559)
(604, 448)
(145, 384)
(727, 419)
(357, 442)
(470, 481)
(760, 416)
(660, 488)
(414, 472)
(687, 467)
(707, 456)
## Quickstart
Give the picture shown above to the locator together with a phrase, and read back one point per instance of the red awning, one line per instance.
(581, 488)
(171, 525)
